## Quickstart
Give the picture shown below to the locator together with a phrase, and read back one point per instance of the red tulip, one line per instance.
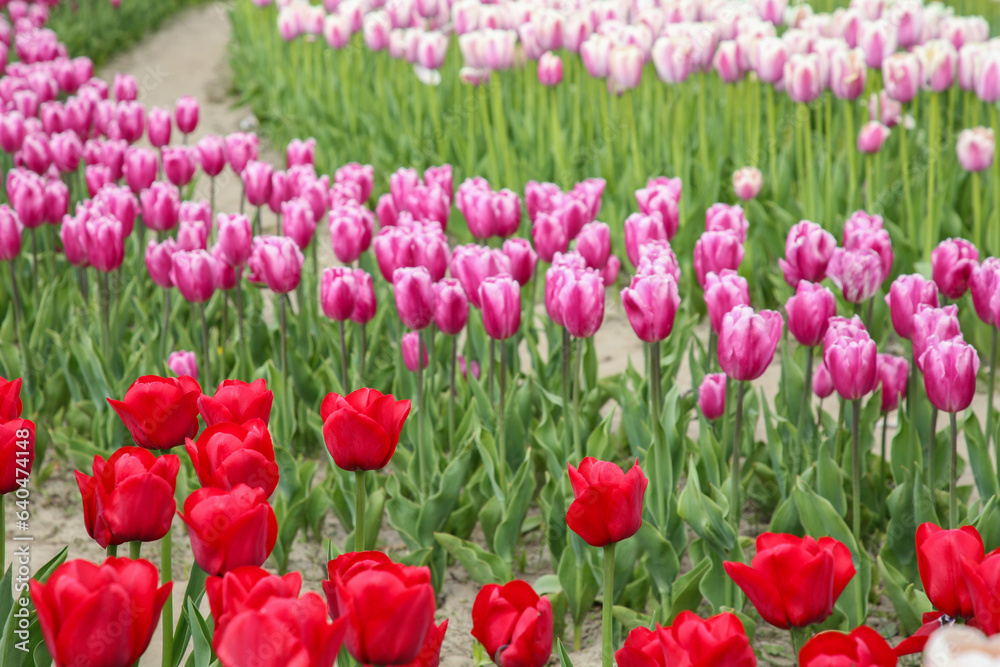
(130, 497)
(99, 614)
(389, 607)
(690, 641)
(229, 454)
(608, 502)
(982, 580)
(10, 399)
(513, 624)
(237, 402)
(430, 652)
(282, 632)
(229, 529)
(794, 581)
(940, 554)
(17, 453)
(362, 429)
(160, 412)
(863, 646)
(246, 588)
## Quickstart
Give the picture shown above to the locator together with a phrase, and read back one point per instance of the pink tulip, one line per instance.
(11, 231)
(938, 64)
(97, 176)
(500, 299)
(550, 69)
(12, 131)
(442, 178)
(365, 306)
(809, 312)
(715, 251)
(877, 39)
(848, 73)
(160, 125)
(893, 376)
(130, 117)
(160, 263)
(36, 154)
(747, 182)
(747, 341)
(858, 273)
(988, 77)
(950, 368)
(873, 134)
(139, 169)
(277, 262)
(451, 311)
(931, 325)
(712, 396)
(822, 383)
(550, 236)
(125, 87)
(802, 78)
(257, 181)
(56, 201)
(472, 264)
(160, 206)
(411, 343)
(952, 262)
(723, 292)
(976, 148)
(241, 148)
(338, 293)
(772, 54)
(908, 18)
(901, 76)
(432, 49)
(66, 151)
(192, 235)
(193, 274)
(300, 152)
(852, 363)
(362, 175)
(186, 114)
(984, 286)
(182, 362)
(673, 58)
(624, 68)
(350, 231)
(105, 243)
(860, 224)
(72, 233)
(726, 218)
(211, 154)
(651, 302)
(594, 243)
(416, 300)
(235, 239)
(905, 297)
(522, 259)
(297, 222)
(595, 52)
(581, 302)
(179, 164)
(26, 192)
(640, 229)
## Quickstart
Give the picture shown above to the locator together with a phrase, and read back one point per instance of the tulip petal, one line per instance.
(762, 593)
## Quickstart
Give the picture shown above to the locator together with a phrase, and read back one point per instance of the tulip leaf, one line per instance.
(663, 564)
(630, 619)
(564, 660)
(40, 655)
(194, 591)
(202, 654)
(482, 566)
(904, 597)
(703, 515)
(579, 584)
(988, 524)
(830, 481)
(686, 592)
(979, 458)
(506, 537)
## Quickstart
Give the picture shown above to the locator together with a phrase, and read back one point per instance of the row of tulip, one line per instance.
(822, 159)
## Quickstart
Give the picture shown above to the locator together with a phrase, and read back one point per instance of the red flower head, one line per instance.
(690, 641)
(17, 453)
(608, 505)
(513, 624)
(229, 454)
(237, 402)
(99, 614)
(940, 554)
(389, 607)
(794, 581)
(130, 497)
(246, 588)
(160, 412)
(10, 399)
(361, 429)
(863, 646)
(230, 529)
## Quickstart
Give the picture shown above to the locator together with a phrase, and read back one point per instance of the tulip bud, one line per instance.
(639, 230)
(182, 362)
(715, 251)
(952, 262)
(594, 243)
(257, 181)
(549, 236)
(338, 293)
(211, 154)
(193, 273)
(984, 286)
(950, 368)
(893, 376)
(595, 486)
(905, 297)
(522, 259)
(277, 262)
(852, 365)
(724, 291)
(747, 341)
(159, 261)
(139, 169)
(625, 68)
(877, 39)
(579, 298)
(105, 243)
(410, 344)
(241, 148)
(988, 77)
(848, 73)
(11, 231)
(56, 201)
(931, 325)
(451, 311)
(976, 148)
(712, 396)
(179, 164)
(415, 296)
(901, 76)
(186, 114)
(160, 206)
(160, 125)
(809, 312)
(725, 218)
(297, 222)
(230, 529)
(550, 69)
(822, 383)
(873, 134)
(526, 642)
(772, 54)
(500, 300)
(364, 307)
(802, 78)
(747, 182)
(938, 64)
(651, 302)
(857, 272)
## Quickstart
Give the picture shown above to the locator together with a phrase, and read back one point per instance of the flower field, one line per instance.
(665, 333)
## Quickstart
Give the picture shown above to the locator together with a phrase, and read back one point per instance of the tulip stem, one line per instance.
(451, 394)
(931, 447)
(205, 346)
(977, 210)
(211, 203)
(343, 358)
(489, 377)
(989, 396)
(257, 223)
(134, 549)
(168, 606)
(361, 362)
(656, 412)
(501, 429)
(772, 143)
(165, 331)
(953, 487)
(359, 510)
(15, 293)
(577, 381)
(713, 342)
(869, 175)
(112, 551)
(106, 315)
(425, 463)
(34, 259)
(810, 165)
(911, 397)
(852, 161)
(565, 353)
(607, 621)
(995, 121)
(284, 339)
(905, 165)
(736, 507)
(3, 534)
(856, 468)
(243, 195)
(933, 141)
(882, 460)
(806, 389)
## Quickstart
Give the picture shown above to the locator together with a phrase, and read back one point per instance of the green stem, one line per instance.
(556, 136)
(772, 142)
(953, 487)
(869, 175)
(851, 149)
(112, 551)
(904, 161)
(501, 429)
(995, 241)
(364, 349)
(736, 506)
(168, 606)
(343, 359)
(284, 338)
(34, 260)
(134, 549)
(607, 619)
(451, 394)
(989, 397)
(856, 468)
(931, 447)
(713, 341)
(702, 127)
(359, 510)
(882, 460)
(933, 144)
(810, 165)
(656, 413)
(806, 389)
(205, 346)
(3, 533)
(165, 331)
(425, 463)
(911, 397)
(492, 369)
(565, 358)
(106, 315)
(977, 210)
(577, 381)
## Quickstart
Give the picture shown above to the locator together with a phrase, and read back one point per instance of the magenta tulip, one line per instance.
(651, 302)
(905, 296)
(500, 300)
(277, 262)
(411, 343)
(984, 286)
(808, 250)
(858, 273)
(338, 293)
(809, 311)
(952, 262)
(723, 292)
(950, 368)
(712, 396)
(747, 341)
(413, 289)
(893, 377)
(193, 273)
(451, 311)
(853, 367)
(715, 251)
(932, 325)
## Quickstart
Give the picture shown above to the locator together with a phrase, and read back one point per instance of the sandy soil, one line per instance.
(188, 57)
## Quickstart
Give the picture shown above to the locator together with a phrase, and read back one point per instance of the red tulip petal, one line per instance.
(356, 442)
(762, 593)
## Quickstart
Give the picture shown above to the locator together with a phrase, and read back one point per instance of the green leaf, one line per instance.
(909, 603)
(202, 635)
(508, 532)
(704, 516)
(194, 591)
(687, 596)
(979, 458)
(482, 566)
(579, 584)
(564, 660)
